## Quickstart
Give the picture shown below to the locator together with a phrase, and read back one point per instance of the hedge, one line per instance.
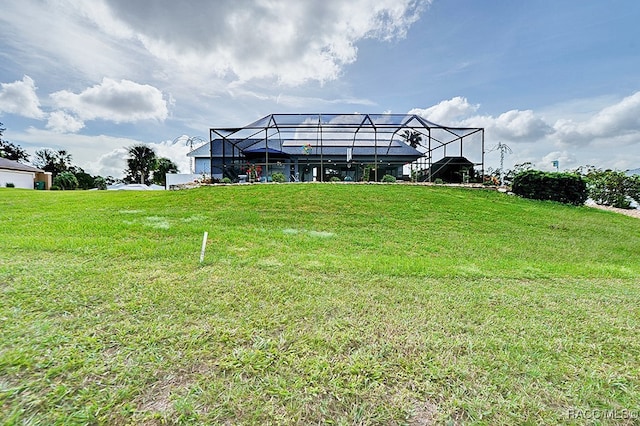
(566, 188)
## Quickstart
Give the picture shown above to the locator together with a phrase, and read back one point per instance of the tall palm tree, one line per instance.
(140, 163)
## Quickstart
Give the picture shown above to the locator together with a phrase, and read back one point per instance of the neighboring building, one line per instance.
(22, 175)
(308, 147)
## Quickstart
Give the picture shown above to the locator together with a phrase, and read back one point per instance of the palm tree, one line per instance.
(412, 138)
(11, 151)
(52, 161)
(140, 163)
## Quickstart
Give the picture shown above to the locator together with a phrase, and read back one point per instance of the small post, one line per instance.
(204, 246)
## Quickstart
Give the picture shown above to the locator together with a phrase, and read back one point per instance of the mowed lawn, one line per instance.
(316, 304)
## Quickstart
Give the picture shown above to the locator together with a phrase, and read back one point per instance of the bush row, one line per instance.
(613, 188)
(568, 188)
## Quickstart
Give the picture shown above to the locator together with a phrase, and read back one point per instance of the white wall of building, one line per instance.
(181, 178)
(19, 178)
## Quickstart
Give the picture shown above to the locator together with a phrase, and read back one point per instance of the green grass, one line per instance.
(316, 303)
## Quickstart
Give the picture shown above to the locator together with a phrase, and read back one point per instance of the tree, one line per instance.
(100, 183)
(85, 180)
(11, 151)
(412, 138)
(163, 166)
(510, 174)
(110, 180)
(633, 189)
(140, 163)
(52, 161)
(612, 188)
(65, 180)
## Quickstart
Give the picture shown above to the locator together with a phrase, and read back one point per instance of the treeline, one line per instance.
(143, 166)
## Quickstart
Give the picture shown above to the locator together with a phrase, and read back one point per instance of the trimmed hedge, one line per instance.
(565, 188)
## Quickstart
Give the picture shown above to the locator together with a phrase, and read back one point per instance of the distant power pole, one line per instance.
(189, 142)
(502, 148)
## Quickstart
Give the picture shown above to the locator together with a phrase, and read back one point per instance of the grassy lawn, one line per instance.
(316, 303)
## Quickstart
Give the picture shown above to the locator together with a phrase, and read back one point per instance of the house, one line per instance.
(319, 147)
(299, 162)
(13, 173)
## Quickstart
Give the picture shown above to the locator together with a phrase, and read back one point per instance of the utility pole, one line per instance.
(502, 148)
(189, 142)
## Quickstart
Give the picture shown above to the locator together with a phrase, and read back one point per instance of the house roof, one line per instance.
(455, 161)
(6, 164)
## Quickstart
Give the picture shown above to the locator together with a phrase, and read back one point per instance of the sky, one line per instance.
(553, 80)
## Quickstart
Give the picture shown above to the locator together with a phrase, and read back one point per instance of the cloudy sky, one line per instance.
(554, 80)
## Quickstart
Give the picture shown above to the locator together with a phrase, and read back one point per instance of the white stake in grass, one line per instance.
(204, 246)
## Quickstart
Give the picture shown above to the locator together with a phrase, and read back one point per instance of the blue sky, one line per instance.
(554, 80)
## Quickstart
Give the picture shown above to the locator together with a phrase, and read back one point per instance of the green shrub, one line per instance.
(66, 180)
(633, 188)
(278, 177)
(10, 185)
(613, 188)
(565, 188)
(100, 183)
(388, 178)
(334, 179)
(226, 180)
(438, 181)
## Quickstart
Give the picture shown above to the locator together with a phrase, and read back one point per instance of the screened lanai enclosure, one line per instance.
(346, 147)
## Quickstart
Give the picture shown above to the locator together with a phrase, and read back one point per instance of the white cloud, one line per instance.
(619, 121)
(566, 160)
(292, 41)
(112, 163)
(605, 137)
(176, 152)
(292, 101)
(119, 101)
(514, 125)
(60, 39)
(86, 150)
(20, 98)
(447, 112)
(61, 122)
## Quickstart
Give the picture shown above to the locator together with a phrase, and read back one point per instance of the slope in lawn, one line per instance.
(345, 303)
